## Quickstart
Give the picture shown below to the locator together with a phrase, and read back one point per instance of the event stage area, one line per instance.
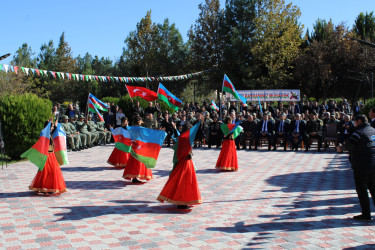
(277, 199)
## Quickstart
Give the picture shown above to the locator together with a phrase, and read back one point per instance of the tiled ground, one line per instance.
(276, 200)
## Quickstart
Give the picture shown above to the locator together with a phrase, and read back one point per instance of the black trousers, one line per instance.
(283, 136)
(364, 181)
(259, 135)
(308, 137)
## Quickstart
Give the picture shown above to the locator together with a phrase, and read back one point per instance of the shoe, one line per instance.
(135, 180)
(274, 149)
(182, 207)
(361, 217)
(78, 149)
(269, 149)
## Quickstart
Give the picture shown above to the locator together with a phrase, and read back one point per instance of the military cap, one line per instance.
(76, 116)
(65, 117)
(82, 116)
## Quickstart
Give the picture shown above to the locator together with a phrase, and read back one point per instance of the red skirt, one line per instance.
(228, 156)
(136, 169)
(182, 186)
(50, 179)
(118, 158)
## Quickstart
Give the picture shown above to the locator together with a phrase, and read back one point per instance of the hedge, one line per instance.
(369, 104)
(22, 118)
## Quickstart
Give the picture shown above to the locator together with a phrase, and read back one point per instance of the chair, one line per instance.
(331, 135)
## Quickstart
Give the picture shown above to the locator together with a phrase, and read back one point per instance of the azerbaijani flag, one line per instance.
(168, 97)
(236, 129)
(38, 153)
(122, 139)
(98, 103)
(229, 88)
(213, 106)
(92, 108)
(184, 144)
(59, 139)
(146, 144)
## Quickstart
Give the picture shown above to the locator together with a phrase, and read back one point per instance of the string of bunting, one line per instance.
(80, 77)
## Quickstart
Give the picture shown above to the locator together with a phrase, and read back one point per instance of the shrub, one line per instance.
(369, 104)
(110, 99)
(22, 117)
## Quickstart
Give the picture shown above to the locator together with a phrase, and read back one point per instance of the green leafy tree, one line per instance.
(24, 57)
(364, 26)
(277, 42)
(322, 30)
(46, 57)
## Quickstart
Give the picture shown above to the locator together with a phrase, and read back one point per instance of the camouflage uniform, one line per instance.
(95, 135)
(151, 123)
(100, 127)
(83, 137)
(73, 139)
(82, 127)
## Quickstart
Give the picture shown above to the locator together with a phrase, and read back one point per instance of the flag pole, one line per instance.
(220, 106)
(87, 106)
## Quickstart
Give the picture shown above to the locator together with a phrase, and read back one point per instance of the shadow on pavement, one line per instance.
(18, 194)
(84, 169)
(95, 185)
(84, 212)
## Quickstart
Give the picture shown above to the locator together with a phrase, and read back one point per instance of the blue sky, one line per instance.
(100, 27)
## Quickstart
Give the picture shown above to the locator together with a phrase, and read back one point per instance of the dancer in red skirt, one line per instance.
(182, 186)
(49, 180)
(134, 169)
(119, 158)
(227, 160)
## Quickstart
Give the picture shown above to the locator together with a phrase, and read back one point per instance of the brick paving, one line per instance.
(277, 200)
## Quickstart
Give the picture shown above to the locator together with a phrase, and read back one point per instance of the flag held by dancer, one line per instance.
(38, 153)
(146, 144)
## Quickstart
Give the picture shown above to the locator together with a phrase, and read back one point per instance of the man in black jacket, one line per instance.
(265, 129)
(361, 146)
(281, 131)
(297, 131)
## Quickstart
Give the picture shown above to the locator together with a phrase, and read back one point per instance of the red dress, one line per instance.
(118, 158)
(136, 169)
(50, 179)
(228, 156)
(182, 186)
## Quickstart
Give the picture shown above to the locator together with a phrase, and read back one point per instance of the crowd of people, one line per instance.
(291, 127)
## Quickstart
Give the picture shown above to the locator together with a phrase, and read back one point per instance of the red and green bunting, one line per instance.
(80, 77)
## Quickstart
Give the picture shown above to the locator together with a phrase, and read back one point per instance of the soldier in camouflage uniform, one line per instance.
(102, 130)
(314, 129)
(96, 136)
(82, 128)
(150, 122)
(83, 137)
(74, 141)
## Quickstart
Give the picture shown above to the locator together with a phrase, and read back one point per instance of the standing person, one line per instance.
(121, 153)
(361, 146)
(371, 114)
(135, 169)
(119, 115)
(227, 160)
(182, 186)
(49, 179)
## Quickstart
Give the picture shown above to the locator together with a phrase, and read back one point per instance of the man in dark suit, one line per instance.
(297, 131)
(281, 131)
(249, 130)
(346, 128)
(265, 130)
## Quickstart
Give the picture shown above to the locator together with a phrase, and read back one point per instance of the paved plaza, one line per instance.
(277, 200)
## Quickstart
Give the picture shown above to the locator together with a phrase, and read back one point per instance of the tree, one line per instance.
(237, 32)
(46, 57)
(277, 42)
(64, 58)
(321, 31)
(140, 48)
(364, 26)
(24, 57)
(206, 45)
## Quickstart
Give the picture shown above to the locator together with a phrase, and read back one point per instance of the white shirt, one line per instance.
(118, 118)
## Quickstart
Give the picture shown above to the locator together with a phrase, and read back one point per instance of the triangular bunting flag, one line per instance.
(27, 71)
(45, 72)
(15, 68)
